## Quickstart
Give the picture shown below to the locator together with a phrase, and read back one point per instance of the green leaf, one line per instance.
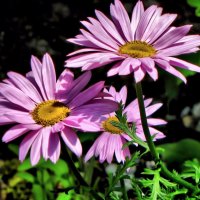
(197, 12)
(26, 176)
(38, 192)
(194, 3)
(14, 148)
(63, 196)
(60, 168)
(176, 152)
(25, 165)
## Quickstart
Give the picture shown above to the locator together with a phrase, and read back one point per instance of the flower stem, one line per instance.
(151, 145)
(125, 196)
(144, 122)
(78, 176)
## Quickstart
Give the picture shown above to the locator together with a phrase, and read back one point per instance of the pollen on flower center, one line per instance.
(137, 49)
(50, 112)
(109, 127)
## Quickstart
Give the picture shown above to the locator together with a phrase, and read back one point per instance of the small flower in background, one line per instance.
(43, 109)
(112, 139)
(135, 45)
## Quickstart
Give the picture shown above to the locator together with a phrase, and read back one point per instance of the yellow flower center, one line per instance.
(109, 127)
(137, 49)
(50, 112)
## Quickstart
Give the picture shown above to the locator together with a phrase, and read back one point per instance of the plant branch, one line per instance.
(151, 145)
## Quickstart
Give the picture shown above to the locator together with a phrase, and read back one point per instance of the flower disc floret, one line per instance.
(137, 49)
(107, 125)
(50, 112)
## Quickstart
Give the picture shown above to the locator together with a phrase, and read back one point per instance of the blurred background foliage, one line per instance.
(39, 26)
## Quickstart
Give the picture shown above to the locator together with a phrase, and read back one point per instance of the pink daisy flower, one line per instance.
(44, 109)
(136, 45)
(112, 139)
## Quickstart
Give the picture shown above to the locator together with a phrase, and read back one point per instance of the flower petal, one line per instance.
(25, 86)
(49, 76)
(72, 141)
(54, 147)
(36, 149)
(26, 144)
(14, 132)
(87, 95)
(16, 96)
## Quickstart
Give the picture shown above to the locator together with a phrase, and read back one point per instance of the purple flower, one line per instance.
(112, 139)
(135, 45)
(44, 109)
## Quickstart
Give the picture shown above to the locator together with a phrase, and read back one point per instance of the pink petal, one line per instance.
(76, 86)
(54, 147)
(14, 132)
(118, 150)
(164, 22)
(144, 21)
(25, 86)
(136, 15)
(16, 96)
(123, 20)
(149, 66)
(183, 64)
(96, 107)
(123, 94)
(153, 108)
(22, 118)
(96, 29)
(139, 74)
(36, 149)
(90, 152)
(155, 122)
(97, 43)
(45, 132)
(72, 141)
(152, 24)
(128, 65)
(64, 82)
(87, 95)
(167, 67)
(111, 145)
(109, 26)
(171, 37)
(49, 76)
(36, 66)
(158, 134)
(26, 144)
(114, 70)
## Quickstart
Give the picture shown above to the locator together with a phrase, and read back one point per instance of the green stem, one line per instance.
(125, 196)
(78, 176)
(151, 145)
(144, 122)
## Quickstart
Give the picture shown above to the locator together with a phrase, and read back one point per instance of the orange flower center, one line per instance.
(137, 49)
(107, 125)
(50, 112)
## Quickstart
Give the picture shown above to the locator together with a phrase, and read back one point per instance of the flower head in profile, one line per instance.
(112, 139)
(134, 45)
(43, 109)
